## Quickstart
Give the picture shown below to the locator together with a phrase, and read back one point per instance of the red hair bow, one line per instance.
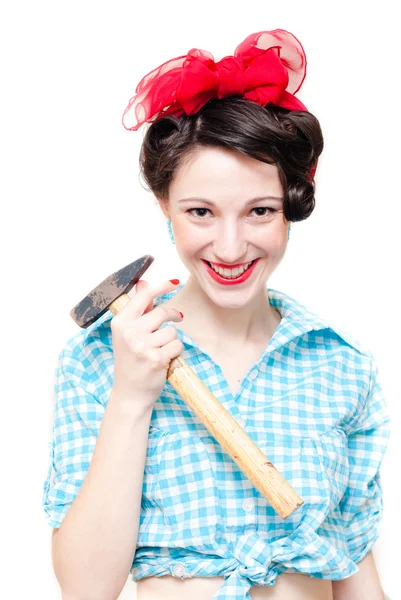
(267, 67)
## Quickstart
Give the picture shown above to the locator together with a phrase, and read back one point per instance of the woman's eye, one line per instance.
(191, 210)
(258, 208)
(271, 210)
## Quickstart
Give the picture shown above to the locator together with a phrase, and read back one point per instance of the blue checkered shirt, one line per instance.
(313, 404)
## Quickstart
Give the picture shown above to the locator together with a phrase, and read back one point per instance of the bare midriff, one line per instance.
(288, 586)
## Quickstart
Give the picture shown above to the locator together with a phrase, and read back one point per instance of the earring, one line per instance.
(170, 230)
(289, 229)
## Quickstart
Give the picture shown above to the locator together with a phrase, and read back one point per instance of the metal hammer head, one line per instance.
(95, 304)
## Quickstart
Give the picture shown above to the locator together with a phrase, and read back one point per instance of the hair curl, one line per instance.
(292, 140)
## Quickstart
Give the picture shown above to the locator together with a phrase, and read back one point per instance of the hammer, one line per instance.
(112, 294)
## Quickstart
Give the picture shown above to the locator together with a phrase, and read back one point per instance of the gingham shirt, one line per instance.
(312, 403)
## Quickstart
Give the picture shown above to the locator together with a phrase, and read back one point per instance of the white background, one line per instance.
(74, 211)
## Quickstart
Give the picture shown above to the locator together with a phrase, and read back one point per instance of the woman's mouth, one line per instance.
(230, 276)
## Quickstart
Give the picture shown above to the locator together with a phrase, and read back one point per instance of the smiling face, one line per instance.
(220, 224)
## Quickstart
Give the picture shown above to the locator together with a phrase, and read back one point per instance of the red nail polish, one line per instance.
(175, 281)
(182, 316)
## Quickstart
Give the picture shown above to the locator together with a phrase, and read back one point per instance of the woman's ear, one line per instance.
(164, 207)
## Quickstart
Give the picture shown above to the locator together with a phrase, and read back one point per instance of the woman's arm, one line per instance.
(363, 585)
(94, 548)
(362, 504)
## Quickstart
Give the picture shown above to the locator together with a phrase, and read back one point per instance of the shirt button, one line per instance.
(248, 505)
(179, 570)
(253, 374)
(241, 422)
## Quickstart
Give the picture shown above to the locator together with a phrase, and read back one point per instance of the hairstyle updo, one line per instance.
(292, 140)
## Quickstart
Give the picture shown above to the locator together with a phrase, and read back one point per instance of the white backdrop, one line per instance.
(75, 210)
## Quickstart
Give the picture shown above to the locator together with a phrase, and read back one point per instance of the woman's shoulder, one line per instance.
(296, 311)
(88, 353)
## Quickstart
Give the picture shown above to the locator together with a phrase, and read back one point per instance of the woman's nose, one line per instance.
(230, 244)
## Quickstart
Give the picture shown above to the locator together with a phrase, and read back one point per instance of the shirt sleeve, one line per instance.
(362, 503)
(77, 417)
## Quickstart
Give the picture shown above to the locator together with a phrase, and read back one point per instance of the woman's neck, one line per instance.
(224, 322)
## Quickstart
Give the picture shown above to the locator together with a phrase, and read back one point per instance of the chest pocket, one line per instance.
(316, 467)
(186, 487)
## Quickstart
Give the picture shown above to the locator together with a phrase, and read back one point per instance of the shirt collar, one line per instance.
(296, 320)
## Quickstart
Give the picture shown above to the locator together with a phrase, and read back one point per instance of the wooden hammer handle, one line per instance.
(225, 429)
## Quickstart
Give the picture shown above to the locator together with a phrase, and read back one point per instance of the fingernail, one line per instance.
(182, 316)
(175, 281)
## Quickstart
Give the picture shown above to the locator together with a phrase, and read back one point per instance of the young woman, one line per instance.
(136, 482)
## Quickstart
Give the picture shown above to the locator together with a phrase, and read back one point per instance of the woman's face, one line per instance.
(223, 223)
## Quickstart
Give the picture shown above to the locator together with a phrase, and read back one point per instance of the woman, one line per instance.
(230, 154)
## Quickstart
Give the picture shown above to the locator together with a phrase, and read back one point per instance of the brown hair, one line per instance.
(292, 140)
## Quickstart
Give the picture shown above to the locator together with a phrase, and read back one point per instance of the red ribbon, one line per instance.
(267, 68)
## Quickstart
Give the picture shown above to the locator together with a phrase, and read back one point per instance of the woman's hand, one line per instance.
(142, 352)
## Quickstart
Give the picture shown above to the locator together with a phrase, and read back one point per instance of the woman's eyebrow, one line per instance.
(251, 201)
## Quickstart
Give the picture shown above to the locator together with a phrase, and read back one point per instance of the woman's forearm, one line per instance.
(95, 545)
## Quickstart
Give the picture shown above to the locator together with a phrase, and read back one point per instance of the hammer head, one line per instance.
(95, 304)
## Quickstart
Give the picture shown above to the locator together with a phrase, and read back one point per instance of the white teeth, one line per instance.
(231, 273)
